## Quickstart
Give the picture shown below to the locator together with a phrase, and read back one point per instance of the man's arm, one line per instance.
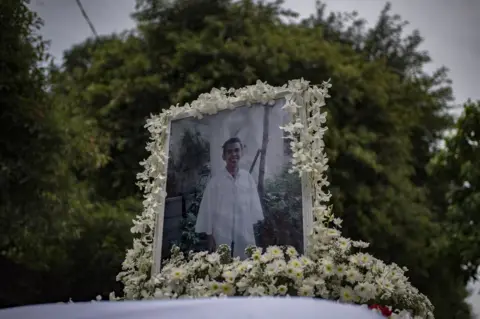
(256, 212)
(204, 222)
(256, 204)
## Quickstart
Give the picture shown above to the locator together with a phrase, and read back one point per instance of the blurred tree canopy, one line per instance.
(72, 137)
(455, 172)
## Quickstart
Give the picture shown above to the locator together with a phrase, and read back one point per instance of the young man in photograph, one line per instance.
(230, 204)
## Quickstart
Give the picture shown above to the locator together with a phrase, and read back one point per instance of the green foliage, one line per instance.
(193, 158)
(283, 223)
(51, 231)
(26, 160)
(69, 155)
(456, 174)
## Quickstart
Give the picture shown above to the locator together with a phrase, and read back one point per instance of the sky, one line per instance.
(451, 30)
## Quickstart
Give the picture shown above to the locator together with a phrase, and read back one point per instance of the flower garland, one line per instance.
(333, 266)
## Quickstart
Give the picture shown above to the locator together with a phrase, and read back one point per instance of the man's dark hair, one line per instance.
(231, 141)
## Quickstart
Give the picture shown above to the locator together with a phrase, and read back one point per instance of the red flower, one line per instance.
(383, 309)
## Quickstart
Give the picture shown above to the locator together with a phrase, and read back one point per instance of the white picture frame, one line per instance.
(299, 97)
(185, 112)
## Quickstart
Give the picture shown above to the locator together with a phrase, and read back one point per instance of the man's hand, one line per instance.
(212, 245)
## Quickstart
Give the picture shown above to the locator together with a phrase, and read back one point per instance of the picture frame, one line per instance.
(175, 208)
(154, 179)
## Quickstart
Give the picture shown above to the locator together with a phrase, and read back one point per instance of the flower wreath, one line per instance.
(333, 266)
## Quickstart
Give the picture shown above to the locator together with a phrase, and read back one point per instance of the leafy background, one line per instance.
(71, 138)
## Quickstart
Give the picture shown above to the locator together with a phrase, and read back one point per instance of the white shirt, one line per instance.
(220, 308)
(229, 209)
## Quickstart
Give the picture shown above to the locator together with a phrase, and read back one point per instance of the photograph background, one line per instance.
(196, 154)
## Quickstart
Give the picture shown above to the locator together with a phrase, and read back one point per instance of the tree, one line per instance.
(191, 46)
(385, 116)
(45, 209)
(455, 169)
(29, 144)
(426, 100)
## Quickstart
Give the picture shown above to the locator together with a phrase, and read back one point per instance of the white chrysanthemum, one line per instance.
(256, 290)
(344, 243)
(214, 287)
(365, 290)
(178, 274)
(257, 254)
(352, 275)
(295, 264)
(229, 276)
(213, 258)
(291, 252)
(328, 267)
(306, 291)
(271, 269)
(340, 270)
(227, 289)
(347, 294)
(282, 290)
(274, 252)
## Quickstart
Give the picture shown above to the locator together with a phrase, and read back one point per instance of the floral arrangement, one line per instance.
(333, 266)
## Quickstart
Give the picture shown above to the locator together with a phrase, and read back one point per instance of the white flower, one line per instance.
(328, 267)
(337, 222)
(305, 261)
(298, 274)
(282, 290)
(291, 107)
(229, 276)
(306, 291)
(340, 270)
(242, 268)
(295, 263)
(112, 296)
(347, 294)
(178, 274)
(257, 255)
(359, 244)
(215, 287)
(272, 269)
(353, 275)
(314, 281)
(344, 243)
(385, 284)
(280, 265)
(214, 272)
(158, 294)
(275, 252)
(213, 258)
(291, 252)
(271, 290)
(365, 290)
(256, 291)
(228, 289)
(332, 233)
(362, 259)
(243, 284)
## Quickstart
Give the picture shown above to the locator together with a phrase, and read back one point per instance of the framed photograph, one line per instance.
(228, 182)
(223, 171)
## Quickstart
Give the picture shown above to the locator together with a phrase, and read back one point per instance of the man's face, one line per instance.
(232, 154)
